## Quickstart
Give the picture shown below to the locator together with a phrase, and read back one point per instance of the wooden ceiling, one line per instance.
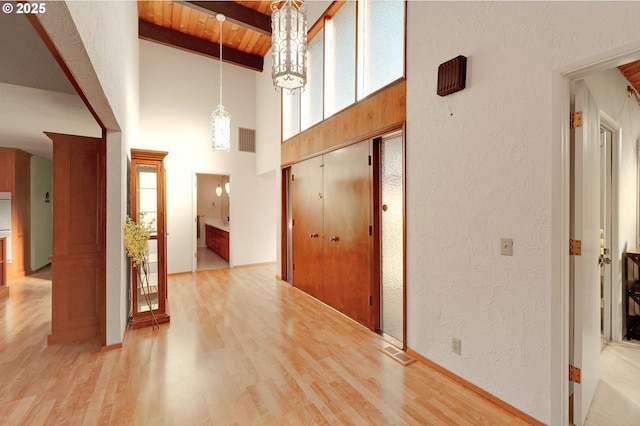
(631, 72)
(192, 26)
(246, 32)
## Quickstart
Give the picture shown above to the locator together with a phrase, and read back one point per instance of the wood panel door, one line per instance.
(347, 228)
(307, 235)
(78, 258)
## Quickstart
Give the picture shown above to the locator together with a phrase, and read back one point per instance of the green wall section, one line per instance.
(41, 212)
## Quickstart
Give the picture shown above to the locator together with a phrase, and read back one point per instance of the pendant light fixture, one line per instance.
(289, 44)
(220, 118)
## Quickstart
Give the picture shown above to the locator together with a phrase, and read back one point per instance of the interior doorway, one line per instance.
(390, 211)
(608, 134)
(212, 221)
(598, 173)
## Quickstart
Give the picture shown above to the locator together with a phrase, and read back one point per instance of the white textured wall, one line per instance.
(479, 166)
(609, 89)
(98, 41)
(178, 92)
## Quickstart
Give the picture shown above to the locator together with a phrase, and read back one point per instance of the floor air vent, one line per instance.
(247, 140)
(397, 355)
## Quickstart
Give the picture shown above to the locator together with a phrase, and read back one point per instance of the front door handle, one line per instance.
(334, 238)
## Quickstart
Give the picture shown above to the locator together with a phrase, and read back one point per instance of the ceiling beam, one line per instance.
(234, 12)
(169, 37)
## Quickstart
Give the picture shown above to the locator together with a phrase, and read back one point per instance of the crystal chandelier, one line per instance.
(220, 118)
(289, 44)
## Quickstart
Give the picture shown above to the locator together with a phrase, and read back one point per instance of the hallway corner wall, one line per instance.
(41, 211)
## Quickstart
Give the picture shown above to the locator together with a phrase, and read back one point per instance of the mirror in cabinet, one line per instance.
(148, 204)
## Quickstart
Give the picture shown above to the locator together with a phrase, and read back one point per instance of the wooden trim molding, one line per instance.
(483, 393)
(380, 112)
(111, 347)
(328, 14)
(46, 39)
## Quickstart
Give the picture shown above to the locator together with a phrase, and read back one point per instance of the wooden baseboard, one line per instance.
(116, 345)
(248, 265)
(483, 393)
(72, 335)
(111, 347)
(4, 291)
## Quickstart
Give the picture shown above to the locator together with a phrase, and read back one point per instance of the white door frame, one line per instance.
(194, 212)
(560, 198)
(615, 309)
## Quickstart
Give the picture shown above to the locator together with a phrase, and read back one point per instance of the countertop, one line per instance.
(219, 225)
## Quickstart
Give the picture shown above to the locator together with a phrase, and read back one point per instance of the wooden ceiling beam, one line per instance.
(169, 37)
(234, 12)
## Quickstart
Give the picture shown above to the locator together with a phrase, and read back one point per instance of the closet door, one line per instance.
(307, 208)
(347, 220)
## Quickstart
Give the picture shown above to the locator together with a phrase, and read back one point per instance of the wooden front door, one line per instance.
(347, 229)
(78, 255)
(308, 234)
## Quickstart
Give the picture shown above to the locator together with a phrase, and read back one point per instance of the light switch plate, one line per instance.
(506, 246)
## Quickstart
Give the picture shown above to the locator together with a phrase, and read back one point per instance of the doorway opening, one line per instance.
(389, 215)
(601, 218)
(212, 222)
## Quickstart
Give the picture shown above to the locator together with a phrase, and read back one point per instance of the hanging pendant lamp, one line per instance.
(220, 118)
(289, 44)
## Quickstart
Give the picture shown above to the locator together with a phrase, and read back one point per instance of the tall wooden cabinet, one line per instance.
(332, 243)
(15, 177)
(78, 258)
(148, 197)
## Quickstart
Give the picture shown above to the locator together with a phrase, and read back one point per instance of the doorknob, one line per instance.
(604, 260)
(313, 235)
(334, 238)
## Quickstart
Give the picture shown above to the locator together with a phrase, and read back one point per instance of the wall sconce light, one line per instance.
(226, 187)
(219, 191)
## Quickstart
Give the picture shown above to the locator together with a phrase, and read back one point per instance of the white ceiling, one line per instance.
(35, 95)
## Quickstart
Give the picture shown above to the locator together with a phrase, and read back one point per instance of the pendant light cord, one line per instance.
(220, 20)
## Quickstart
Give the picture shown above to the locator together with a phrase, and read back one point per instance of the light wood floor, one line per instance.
(242, 348)
(617, 397)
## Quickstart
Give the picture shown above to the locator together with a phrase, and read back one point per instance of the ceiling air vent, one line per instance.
(247, 140)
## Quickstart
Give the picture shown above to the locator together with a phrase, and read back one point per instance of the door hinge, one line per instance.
(293, 222)
(575, 120)
(370, 300)
(370, 230)
(293, 177)
(369, 160)
(293, 267)
(574, 374)
(575, 248)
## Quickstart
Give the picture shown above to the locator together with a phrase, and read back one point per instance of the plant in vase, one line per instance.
(136, 243)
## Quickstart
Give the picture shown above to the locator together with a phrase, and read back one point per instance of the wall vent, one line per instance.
(247, 140)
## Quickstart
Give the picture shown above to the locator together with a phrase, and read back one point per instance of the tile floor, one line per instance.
(208, 259)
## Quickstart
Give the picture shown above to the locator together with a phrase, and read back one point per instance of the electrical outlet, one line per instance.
(456, 346)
